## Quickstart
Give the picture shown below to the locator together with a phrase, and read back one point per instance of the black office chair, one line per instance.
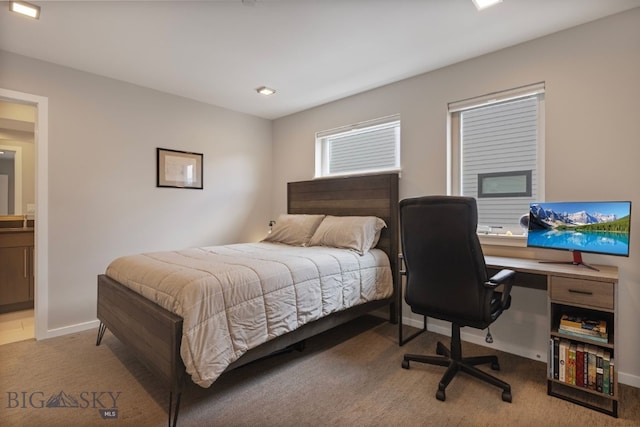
(447, 280)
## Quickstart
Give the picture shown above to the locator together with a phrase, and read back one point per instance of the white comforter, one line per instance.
(233, 298)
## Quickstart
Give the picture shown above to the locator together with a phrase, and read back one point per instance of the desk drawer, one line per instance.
(585, 292)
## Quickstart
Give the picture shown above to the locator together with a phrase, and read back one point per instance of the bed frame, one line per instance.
(154, 334)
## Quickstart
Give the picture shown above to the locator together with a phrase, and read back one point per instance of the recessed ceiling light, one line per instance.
(483, 4)
(266, 91)
(24, 8)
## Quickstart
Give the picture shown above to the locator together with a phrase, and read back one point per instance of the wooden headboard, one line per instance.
(375, 195)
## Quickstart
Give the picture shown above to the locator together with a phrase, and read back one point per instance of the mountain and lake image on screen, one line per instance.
(596, 227)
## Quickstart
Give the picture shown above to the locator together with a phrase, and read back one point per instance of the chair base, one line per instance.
(455, 362)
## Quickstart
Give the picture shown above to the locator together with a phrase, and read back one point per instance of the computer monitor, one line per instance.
(595, 227)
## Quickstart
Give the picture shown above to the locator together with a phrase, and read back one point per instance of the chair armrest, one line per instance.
(501, 277)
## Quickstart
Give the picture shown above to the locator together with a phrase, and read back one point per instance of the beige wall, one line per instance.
(102, 195)
(592, 133)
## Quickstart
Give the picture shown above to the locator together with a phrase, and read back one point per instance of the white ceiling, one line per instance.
(311, 51)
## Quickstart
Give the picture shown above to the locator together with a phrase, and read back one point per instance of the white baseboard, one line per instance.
(529, 353)
(65, 330)
(628, 379)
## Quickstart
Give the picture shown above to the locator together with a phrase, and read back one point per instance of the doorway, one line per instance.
(40, 207)
(17, 134)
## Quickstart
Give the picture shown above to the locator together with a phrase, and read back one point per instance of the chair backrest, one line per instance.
(443, 258)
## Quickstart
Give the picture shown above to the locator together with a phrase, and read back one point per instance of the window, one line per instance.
(496, 155)
(505, 184)
(371, 146)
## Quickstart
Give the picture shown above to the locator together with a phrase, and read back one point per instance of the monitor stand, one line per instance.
(577, 260)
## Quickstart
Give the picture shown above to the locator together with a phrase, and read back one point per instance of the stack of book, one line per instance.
(582, 365)
(582, 327)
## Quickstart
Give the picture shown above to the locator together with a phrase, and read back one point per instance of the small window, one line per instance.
(367, 147)
(505, 184)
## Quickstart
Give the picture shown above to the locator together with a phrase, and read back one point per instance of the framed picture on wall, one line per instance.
(179, 169)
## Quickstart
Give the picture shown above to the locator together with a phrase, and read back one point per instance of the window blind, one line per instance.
(365, 147)
(500, 138)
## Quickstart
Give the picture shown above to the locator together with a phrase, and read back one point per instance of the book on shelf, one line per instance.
(611, 377)
(585, 366)
(591, 367)
(574, 334)
(606, 379)
(562, 364)
(585, 332)
(583, 324)
(599, 369)
(571, 364)
(580, 365)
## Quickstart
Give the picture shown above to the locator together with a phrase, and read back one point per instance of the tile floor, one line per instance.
(16, 326)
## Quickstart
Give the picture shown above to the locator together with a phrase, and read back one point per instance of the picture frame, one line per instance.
(179, 169)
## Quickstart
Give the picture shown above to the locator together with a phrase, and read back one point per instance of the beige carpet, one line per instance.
(349, 376)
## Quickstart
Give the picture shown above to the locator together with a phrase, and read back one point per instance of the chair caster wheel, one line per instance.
(440, 395)
(506, 396)
(405, 364)
(495, 366)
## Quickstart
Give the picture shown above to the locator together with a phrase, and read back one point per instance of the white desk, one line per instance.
(531, 273)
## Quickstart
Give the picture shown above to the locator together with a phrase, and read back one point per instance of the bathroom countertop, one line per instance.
(16, 229)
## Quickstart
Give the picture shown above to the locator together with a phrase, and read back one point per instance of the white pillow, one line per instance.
(359, 233)
(295, 230)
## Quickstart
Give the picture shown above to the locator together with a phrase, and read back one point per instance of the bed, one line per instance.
(155, 334)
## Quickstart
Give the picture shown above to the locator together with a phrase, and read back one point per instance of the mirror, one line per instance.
(8, 187)
(17, 161)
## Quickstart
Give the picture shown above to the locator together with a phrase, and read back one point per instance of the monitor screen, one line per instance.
(596, 227)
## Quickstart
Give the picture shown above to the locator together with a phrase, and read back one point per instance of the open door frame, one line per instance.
(41, 142)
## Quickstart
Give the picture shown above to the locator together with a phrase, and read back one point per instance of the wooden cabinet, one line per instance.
(582, 370)
(16, 269)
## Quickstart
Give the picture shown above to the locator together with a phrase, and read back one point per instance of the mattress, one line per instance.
(235, 297)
